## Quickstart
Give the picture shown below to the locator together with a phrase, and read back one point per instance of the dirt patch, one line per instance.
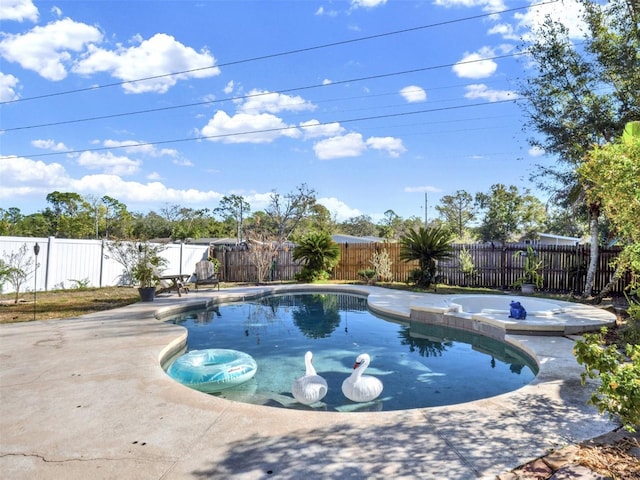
(619, 459)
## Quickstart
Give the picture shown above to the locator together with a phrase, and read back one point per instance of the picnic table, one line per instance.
(177, 282)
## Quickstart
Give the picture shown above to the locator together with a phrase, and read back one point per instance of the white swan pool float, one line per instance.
(311, 387)
(361, 388)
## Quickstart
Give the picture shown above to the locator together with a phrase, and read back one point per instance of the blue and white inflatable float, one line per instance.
(213, 369)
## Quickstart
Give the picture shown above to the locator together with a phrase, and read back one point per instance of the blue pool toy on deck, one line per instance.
(517, 311)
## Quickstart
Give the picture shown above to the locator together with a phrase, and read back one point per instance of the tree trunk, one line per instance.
(615, 276)
(594, 213)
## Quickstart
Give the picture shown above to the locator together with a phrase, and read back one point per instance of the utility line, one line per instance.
(267, 130)
(256, 95)
(279, 54)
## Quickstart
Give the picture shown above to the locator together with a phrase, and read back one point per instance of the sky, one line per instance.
(376, 105)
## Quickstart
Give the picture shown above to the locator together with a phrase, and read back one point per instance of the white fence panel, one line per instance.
(73, 262)
(62, 260)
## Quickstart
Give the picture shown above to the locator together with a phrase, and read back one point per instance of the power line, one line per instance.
(267, 130)
(256, 95)
(279, 54)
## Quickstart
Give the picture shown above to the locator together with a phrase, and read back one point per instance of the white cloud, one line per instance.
(47, 50)
(237, 129)
(482, 91)
(393, 146)
(329, 13)
(313, 129)
(475, 65)
(50, 145)
(340, 210)
(257, 101)
(156, 57)
(413, 94)
(568, 12)
(18, 10)
(146, 192)
(367, 3)
(228, 88)
(142, 192)
(26, 177)
(536, 151)
(8, 84)
(349, 145)
(326, 81)
(22, 176)
(505, 30)
(353, 145)
(182, 162)
(108, 162)
(525, 24)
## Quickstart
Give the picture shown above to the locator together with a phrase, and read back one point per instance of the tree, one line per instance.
(319, 219)
(360, 226)
(564, 221)
(610, 175)
(583, 94)
(10, 221)
(236, 208)
(191, 223)
(285, 212)
(17, 267)
(389, 225)
(71, 215)
(319, 254)
(151, 225)
(458, 211)
(118, 222)
(262, 254)
(506, 213)
(427, 246)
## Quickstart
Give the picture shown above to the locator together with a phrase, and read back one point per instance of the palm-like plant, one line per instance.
(427, 246)
(319, 253)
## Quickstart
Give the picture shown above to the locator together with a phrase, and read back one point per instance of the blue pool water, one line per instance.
(420, 365)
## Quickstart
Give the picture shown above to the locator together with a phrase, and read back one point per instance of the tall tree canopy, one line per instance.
(285, 212)
(458, 211)
(508, 213)
(583, 91)
(611, 175)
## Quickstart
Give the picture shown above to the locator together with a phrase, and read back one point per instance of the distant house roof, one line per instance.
(551, 239)
(339, 238)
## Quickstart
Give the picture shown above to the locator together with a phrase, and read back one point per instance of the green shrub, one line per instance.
(427, 246)
(619, 391)
(368, 275)
(81, 284)
(319, 255)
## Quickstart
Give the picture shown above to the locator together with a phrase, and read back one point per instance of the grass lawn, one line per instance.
(64, 303)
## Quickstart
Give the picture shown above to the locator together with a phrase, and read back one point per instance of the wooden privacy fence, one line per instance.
(564, 269)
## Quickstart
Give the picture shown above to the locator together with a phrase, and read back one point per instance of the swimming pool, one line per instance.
(420, 365)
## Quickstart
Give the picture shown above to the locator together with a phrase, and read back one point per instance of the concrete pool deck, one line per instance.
(86, 398)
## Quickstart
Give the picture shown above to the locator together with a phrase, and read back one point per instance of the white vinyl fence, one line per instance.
(66, 263)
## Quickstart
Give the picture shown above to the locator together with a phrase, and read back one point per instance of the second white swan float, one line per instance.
(311, 387)
(361, 388)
